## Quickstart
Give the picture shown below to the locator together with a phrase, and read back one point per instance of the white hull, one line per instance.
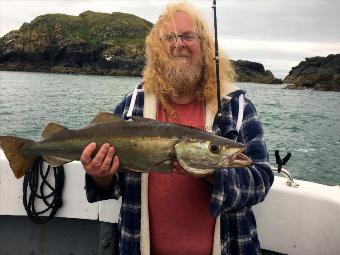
(295, 221)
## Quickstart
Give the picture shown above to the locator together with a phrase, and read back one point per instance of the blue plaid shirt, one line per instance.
(235, 190)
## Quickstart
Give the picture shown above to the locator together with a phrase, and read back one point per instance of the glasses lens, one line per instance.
(169, 37)
(189, 37)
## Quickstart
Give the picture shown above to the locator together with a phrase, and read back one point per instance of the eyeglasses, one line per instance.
(186, 38)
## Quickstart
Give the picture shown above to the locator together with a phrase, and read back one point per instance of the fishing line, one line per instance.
(52, 200)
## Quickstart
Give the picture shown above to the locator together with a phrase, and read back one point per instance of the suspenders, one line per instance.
(239, 117)
(240, 112)
(133, 101)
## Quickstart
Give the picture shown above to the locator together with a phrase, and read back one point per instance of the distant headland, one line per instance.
(113, 44)
(318, 73)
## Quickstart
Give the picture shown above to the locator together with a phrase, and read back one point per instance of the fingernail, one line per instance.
(115, 158)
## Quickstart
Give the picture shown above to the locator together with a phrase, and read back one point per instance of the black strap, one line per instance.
(52, 200)
(281, 162)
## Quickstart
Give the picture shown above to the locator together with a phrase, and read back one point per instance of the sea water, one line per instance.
(303, 122)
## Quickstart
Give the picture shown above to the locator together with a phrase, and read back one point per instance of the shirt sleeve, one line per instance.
(94, 193)
(236, 188)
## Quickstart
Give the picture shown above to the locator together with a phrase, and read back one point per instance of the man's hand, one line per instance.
(103, 166)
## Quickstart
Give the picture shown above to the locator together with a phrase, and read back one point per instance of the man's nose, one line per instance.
(180, 43)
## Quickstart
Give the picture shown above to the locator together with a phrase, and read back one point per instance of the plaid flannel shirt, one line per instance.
(235, 190)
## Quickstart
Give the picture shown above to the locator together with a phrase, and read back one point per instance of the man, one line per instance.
(178, 213)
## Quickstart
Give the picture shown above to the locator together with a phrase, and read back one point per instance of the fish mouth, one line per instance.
(238, 159)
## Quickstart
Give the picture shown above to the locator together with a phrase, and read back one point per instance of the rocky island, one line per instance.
(92, 43)
(248, 71)
(318, 73)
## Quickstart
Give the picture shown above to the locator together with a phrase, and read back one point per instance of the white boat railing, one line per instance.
(290, 181)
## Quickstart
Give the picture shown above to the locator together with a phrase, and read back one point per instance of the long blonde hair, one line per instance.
(155, 51)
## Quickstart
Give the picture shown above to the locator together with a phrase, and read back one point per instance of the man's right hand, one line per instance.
(103, 166)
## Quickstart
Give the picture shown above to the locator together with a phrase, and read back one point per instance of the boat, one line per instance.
(297, 218)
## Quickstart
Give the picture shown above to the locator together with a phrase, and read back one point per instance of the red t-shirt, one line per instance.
(180, 222)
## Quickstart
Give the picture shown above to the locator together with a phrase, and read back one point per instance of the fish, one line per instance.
(143, 145)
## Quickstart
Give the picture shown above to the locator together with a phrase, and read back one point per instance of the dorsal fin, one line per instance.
(104, 118)
(142, 119)
(52, 128)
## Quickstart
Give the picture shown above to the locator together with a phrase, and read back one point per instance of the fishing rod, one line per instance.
(217, 64)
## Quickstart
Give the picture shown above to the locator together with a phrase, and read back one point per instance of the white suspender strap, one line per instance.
(240, 112)
(133, 101)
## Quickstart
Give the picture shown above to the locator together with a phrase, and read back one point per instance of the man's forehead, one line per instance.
(178, 22)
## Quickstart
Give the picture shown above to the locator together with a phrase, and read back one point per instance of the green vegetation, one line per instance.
(93, 42)
(90, 27)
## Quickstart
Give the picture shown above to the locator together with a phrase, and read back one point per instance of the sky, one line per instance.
(278, 34)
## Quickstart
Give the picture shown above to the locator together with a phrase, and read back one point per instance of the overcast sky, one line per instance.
(278, 34)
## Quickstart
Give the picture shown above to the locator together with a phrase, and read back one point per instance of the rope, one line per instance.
(52, 200)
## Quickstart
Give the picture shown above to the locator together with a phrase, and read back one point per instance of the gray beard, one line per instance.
(183, 75)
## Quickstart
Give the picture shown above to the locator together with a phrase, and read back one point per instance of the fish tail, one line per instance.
(19, 163)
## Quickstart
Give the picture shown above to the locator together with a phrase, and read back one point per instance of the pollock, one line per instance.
(143, 145)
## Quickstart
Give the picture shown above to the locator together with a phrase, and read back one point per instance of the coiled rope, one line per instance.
(52, 200)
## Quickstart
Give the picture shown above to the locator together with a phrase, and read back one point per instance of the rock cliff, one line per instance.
(248, 71)
(319, 73)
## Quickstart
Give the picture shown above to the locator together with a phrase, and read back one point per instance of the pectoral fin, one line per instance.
(154, 167)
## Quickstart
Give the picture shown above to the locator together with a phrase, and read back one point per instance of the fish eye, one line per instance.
(214, 148)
